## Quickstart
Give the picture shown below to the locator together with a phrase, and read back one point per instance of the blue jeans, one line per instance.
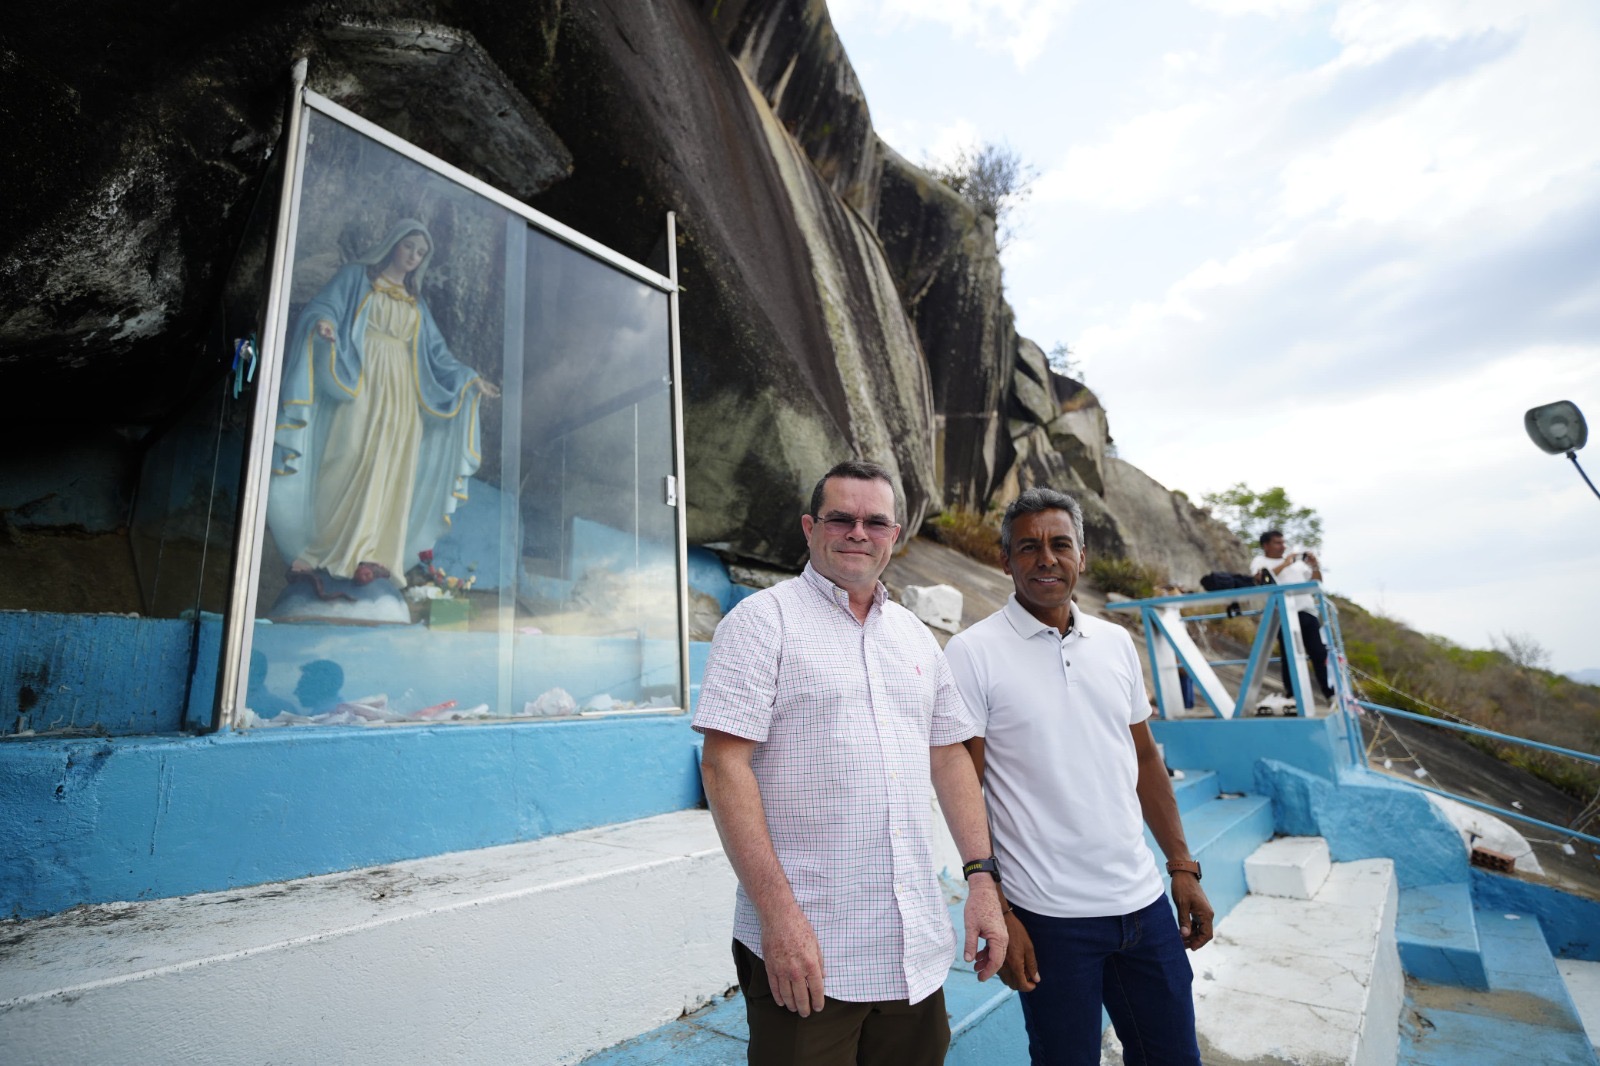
(1133, 963)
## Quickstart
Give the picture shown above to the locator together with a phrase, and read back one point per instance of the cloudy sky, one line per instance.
(1339, 247)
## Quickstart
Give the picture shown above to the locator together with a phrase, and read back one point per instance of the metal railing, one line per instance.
(1170, 647)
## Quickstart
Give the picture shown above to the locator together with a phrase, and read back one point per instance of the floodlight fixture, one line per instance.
(1559, 428)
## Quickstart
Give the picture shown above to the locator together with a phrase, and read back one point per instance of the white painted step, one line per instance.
(1290, 867)
(1306, 980)
(530, 953)
(1583, 985)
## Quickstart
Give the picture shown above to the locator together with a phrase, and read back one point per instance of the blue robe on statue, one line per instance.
(409, 434)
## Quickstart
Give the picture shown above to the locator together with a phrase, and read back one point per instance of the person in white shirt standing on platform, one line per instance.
(1073, 774)
(1293, 568)
(827, 711)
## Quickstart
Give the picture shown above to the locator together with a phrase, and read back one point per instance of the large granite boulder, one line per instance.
(1162, 527)
(139, 144)
(944, 258)
(837, 300)
(790, 50)
(797, 352)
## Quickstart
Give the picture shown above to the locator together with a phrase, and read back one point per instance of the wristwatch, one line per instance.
(1188, 866)
(982, 866)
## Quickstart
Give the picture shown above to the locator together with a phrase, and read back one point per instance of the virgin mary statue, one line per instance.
(378, 423)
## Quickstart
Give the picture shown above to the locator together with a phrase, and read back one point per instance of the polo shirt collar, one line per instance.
(1028, 627)
(837, 594)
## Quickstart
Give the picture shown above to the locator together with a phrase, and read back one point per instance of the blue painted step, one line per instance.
(1222, 832)
(1197, 787)
(1526, 1016)
(1437, 934)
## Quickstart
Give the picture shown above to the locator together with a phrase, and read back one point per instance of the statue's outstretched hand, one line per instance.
(488, 389)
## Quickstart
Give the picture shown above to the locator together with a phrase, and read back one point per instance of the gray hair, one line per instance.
(859, 470)
(1039, 499)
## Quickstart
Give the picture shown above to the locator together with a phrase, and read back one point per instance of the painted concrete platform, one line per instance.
(1305, 981)
(1525, 1016)
(1583, 985)
(488, 956)
(1438, 936)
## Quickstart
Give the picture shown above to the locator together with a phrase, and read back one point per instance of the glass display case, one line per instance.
(464, 501)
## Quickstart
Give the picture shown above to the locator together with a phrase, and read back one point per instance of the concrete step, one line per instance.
(1197, 787)
(1525, 1015)
(480, 956)
(1438, 936)
(1291, 867)
(1222, 833)
(1305, 981)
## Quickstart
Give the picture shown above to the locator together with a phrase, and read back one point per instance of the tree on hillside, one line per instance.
(1249, 514)
(992, 178)
(1522, 649)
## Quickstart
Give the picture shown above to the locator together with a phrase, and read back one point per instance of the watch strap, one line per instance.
(1187, 866)
(982, 866)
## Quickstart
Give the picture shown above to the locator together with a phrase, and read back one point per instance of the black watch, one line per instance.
(981, 866)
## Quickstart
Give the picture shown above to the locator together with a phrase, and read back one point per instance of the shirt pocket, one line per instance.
(910, 685)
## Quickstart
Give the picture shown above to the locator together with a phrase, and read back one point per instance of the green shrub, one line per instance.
(1130, 578)
(969, 532)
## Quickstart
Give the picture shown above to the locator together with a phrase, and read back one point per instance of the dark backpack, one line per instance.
(1219, 579)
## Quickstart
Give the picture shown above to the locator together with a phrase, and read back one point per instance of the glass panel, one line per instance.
(435, 553)
(599, 560)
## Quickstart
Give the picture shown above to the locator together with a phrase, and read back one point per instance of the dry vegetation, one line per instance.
(969, 532)
(1486, 688)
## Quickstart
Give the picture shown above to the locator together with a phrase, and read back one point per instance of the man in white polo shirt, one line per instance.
(1072, 776)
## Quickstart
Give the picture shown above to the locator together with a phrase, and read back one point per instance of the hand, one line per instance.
(1021, 969)
(1194, 911)
(325, 329)
(794, 961)
(982, 917)
(486, 388)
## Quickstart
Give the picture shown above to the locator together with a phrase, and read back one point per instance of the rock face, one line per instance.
(838, 300)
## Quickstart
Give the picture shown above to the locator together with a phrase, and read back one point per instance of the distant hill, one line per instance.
(1590, 676)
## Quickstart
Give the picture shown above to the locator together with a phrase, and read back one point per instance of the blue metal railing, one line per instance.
(1157, 612)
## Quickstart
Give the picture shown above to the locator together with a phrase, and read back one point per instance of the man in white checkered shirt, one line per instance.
(827, 711)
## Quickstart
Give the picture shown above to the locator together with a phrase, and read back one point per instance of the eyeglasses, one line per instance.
(842, 525)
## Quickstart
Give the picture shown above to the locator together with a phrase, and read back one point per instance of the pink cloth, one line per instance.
(844, 714)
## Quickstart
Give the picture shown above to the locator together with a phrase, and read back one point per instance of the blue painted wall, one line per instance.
(1364, 816)
(1571, 925)
(94, 820)
(1232, 746)
(110, 673)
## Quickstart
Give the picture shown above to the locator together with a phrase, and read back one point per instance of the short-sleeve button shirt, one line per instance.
(844, 713)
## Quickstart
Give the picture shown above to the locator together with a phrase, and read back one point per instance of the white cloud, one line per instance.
(1018, 28)
(1144, 160)
(1270, 8)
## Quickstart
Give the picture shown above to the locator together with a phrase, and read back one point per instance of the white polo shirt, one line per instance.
(1060, 771)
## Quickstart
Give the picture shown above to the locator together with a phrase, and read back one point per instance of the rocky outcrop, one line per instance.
(1163, 528)
(838, 300)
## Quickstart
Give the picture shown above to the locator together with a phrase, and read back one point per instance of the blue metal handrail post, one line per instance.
(1341, 679)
